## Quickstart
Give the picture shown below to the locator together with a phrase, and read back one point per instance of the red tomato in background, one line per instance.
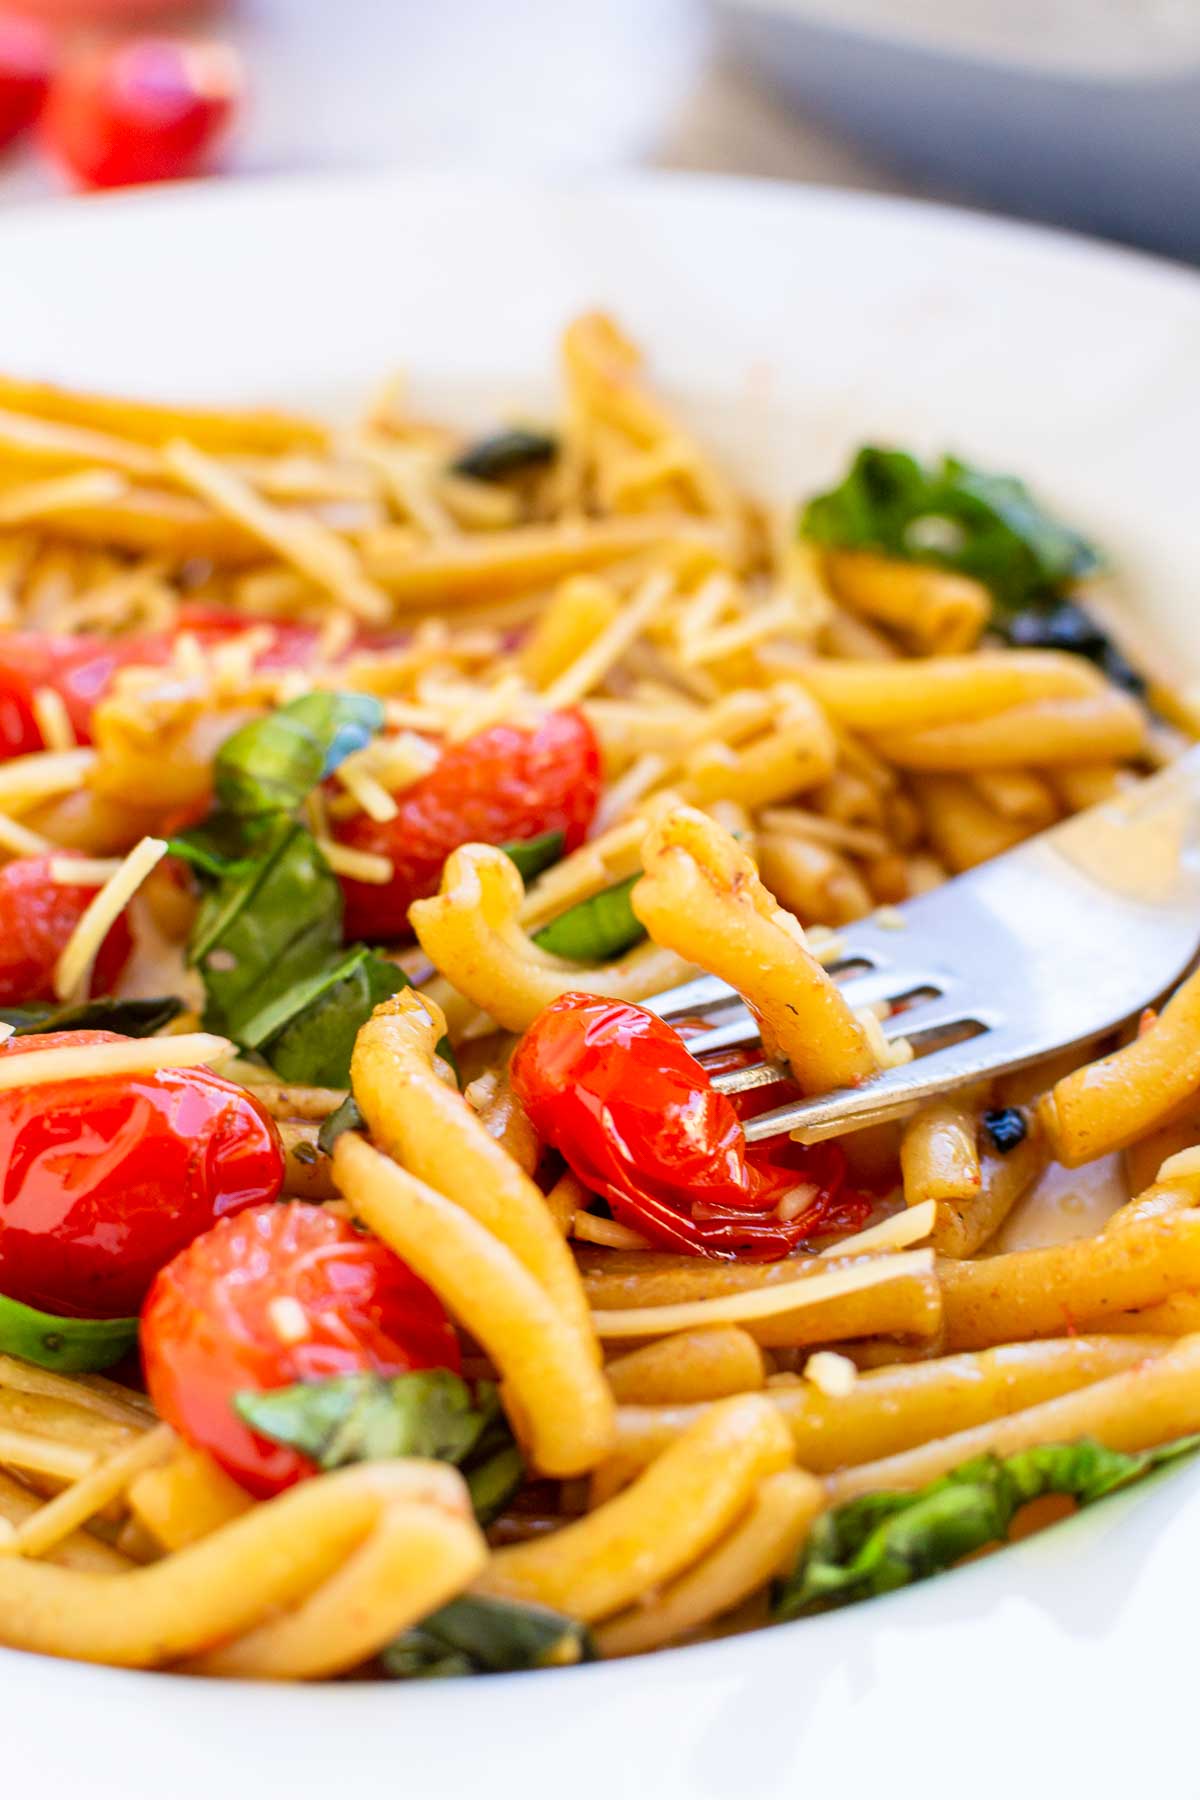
(614, 1090)
(37, 917)
(507, 783)
(26, 58)
(152, 109)
(105, 1179)
(208, 1331)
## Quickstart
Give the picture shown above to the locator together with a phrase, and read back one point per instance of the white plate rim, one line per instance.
(679, 1723)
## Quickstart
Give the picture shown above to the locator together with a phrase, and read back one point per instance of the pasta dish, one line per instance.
(386, 1290)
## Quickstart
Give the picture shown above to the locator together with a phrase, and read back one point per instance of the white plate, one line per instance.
(796, 323)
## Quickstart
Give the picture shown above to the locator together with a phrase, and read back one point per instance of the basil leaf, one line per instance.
(268, 937)
(346, 1117)
(132, 1018)
(508, 452)
(361, 1418)
(315, 1045)
(597, 929)
(884, 1541)
(479, 1635)
(70, 1346)
(956, 517)
(273, 763)
(532, 855)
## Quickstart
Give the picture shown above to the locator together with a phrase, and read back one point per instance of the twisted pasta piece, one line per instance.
(701, 895)
(393, 1540)
(761, 1547)
(434, 1133)
(554, 1390)
(472, 932)
(660, 1525)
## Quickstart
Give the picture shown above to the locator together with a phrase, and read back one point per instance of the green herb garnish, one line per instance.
(955, 517)
(508, 452)
(532, 855)
(132, 1018)
(880, 1542)
(69, 1346)
(361, 1418)
(479, 1635)
(597, 930)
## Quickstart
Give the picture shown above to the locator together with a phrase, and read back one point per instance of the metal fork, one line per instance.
(1039, 950)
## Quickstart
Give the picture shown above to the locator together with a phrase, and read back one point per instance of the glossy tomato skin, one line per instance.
(37, 918)
(150, 109)
(615, 1091)
(208, 1334)
(510, 782)
(103, 1181)
(25, 63)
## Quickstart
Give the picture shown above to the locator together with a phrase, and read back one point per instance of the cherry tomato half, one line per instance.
(615, 1091)
(25, 63)
(105, 1179)
(505, 784)
(152, 109)
(210, 1328)
(37, 917)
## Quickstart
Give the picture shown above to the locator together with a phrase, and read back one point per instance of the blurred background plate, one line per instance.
(1083, 111)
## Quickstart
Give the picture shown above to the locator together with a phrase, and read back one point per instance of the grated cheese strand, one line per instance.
(759, 1303)
(603, 652)
(96, 1062)
(73, 966)
(28, 779)
(53, 720)
(831, 1374)
(19, 840)
(896, 1233)
(358, 865)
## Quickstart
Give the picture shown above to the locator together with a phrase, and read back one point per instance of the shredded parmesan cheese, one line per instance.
(27, 779)
(289, 1321)
(53, 720)
(831, 1374)
(604, 651)
(94, 1062)
(73, 966)
(589, 1229)
(19, 840)
(83, 871)
(896, 1233)
(357, 865)
(759, 1303)
(371, 796)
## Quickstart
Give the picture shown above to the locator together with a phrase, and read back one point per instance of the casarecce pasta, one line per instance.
(383, 1289)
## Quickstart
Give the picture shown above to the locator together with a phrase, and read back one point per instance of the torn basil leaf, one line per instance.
(273, 763)
(362, 1418)
(504, 453)
(532, 855)
(132, 1018)
(955, 517)
(346, 1117)
(479, 1635)
(69, 1346)
(315, 1045)
(884, 1541)
(597, 930)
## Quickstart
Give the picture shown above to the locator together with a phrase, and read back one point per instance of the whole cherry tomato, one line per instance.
(615, 1091)
(211, 1327)
(152, 109)
(37, 917)
(105, 1179)
(507, 783)
(25, 63)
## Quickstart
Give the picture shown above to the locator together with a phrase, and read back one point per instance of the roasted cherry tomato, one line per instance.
(25, 61)
(105, 1179)
(615, 1091)
(37, 917)
(507, 783)
(280, 1294)
(152, 109)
